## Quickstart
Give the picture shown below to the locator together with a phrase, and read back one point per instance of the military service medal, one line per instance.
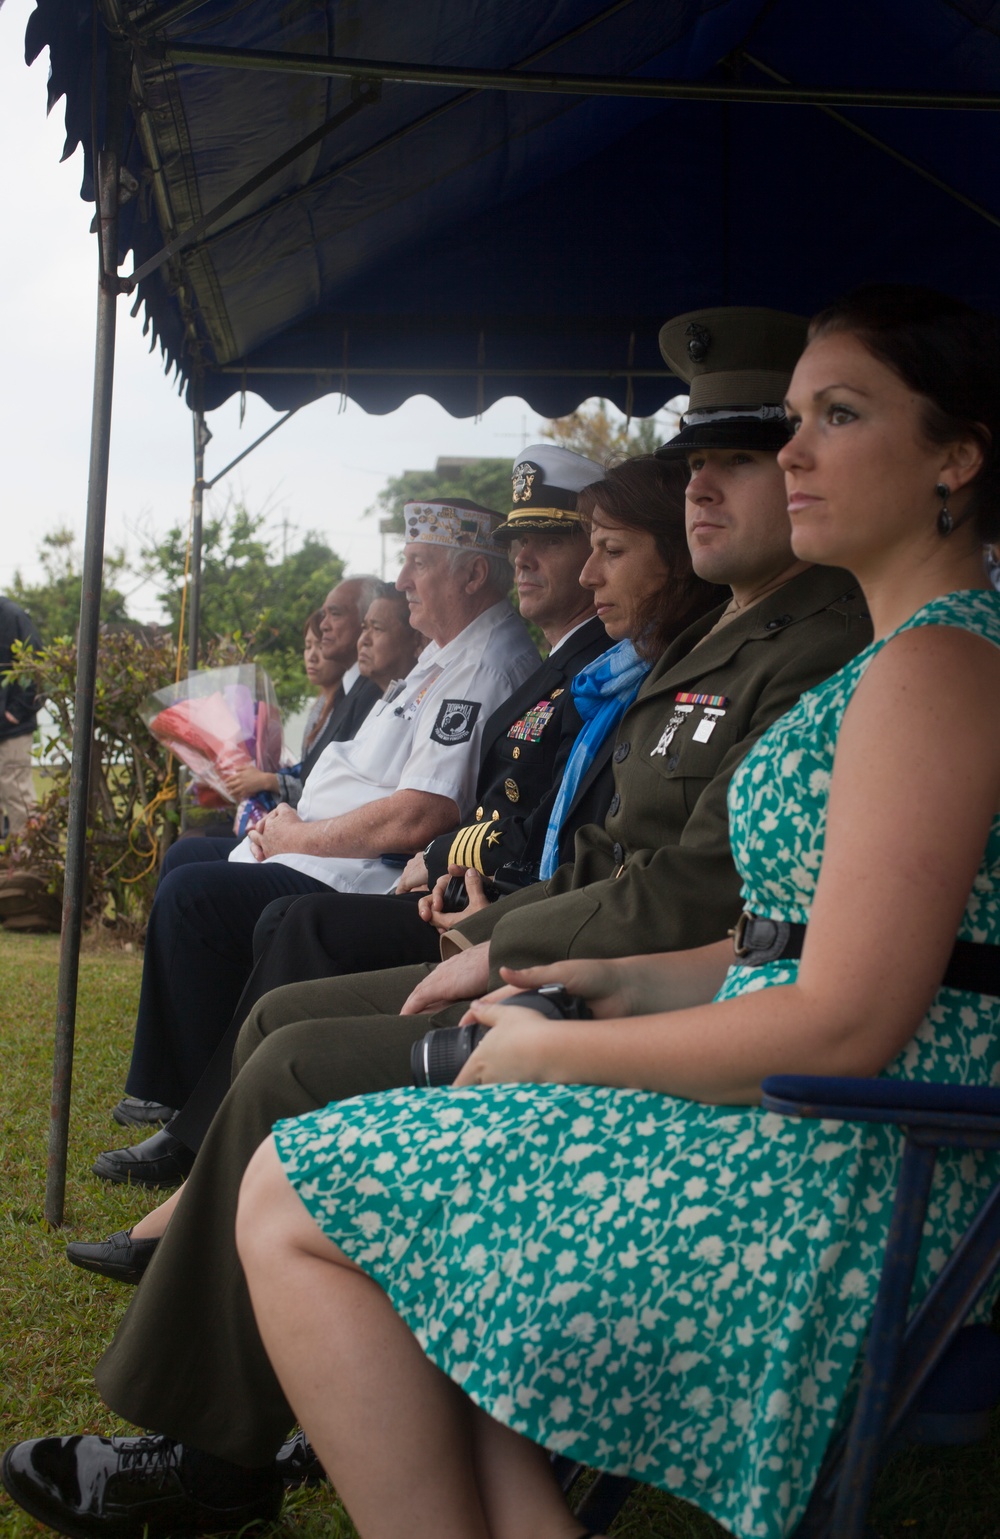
(679, 713)
(532, 724)
(713, 709)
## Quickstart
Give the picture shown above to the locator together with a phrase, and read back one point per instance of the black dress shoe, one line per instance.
(121, 1258)
(297, 1463)
(123, 1487)
(133, 1113)
(158, 1161)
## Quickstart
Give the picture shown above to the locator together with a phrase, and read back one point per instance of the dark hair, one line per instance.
(312, 625)
(949, 354)
(648, 494)
(388, 590)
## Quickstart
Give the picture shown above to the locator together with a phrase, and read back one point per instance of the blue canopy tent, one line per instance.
(491, 197)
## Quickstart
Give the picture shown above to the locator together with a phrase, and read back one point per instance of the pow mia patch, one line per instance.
(455, 721)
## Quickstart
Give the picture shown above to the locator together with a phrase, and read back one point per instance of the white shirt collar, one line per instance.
(563, 639)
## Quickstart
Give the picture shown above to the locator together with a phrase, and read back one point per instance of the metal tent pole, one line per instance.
(86, 680)
(201, 437)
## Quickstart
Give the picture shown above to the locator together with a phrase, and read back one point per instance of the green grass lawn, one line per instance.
(55, 1319)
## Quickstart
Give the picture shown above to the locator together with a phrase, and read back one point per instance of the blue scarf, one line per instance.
(603, 692)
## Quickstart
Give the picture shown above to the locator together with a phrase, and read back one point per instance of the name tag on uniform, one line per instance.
(703, 731)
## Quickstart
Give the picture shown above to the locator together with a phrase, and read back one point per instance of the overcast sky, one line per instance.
(320, 472)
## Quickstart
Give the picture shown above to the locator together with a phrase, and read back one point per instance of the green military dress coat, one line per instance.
(659, 876)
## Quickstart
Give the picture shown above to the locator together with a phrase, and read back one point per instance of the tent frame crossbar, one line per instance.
(196, 236)
(887, 149)
(368, 87)
(479, 371)
(368, 71)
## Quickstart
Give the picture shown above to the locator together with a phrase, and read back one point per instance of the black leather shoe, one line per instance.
(121, 1258)
(297, 1464)
(133, 1113)
(158, 1161)
(123, 1487)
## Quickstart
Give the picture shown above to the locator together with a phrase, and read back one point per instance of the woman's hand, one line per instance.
(432, 909)
(620, 986)
(602, 984)
(517, 1050)
(247, 782)
(608, 986)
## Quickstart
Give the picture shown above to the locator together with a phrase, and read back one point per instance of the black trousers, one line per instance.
(199, 952)
(324, 935)
(187, 1359)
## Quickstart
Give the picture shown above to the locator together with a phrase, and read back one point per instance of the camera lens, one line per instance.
(455, 897)
(439, 1055)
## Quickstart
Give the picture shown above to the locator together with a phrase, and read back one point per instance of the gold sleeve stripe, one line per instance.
(474, 852)
(455, 857)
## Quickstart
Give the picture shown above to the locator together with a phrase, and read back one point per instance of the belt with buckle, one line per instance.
(757, 941)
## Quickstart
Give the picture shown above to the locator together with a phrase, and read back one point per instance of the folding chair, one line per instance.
(926, 1379)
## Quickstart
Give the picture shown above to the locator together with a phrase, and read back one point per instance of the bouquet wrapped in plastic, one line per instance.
(218, 721)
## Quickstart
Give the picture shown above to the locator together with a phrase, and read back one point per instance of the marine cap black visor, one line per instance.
(727, 432)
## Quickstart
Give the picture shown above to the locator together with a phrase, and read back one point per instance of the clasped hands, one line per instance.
(431, 907)
(276, 833)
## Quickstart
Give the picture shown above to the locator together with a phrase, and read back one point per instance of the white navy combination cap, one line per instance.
(545, 484)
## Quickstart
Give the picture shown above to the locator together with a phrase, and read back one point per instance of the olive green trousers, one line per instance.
(187, 1360)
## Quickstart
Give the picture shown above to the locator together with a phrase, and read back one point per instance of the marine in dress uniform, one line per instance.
(658, 876)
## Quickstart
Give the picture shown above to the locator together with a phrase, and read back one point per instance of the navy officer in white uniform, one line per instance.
(399, 783)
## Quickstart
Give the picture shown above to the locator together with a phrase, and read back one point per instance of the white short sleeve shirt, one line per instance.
(423, 735)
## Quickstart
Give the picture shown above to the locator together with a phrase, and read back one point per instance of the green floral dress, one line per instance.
(654, 1286)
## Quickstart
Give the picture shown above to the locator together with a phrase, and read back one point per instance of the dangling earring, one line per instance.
(945, 524)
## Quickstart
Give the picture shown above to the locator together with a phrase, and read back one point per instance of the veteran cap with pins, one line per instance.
(545, 483)
(737, 362)
(454, 523)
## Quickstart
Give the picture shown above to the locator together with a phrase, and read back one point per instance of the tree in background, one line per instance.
(595, 430)
(253, 603)
(54, 603)
(133, 811)
(485, 481)
(604, 435)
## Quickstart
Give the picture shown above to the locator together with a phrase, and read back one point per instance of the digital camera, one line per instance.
(439, 1056)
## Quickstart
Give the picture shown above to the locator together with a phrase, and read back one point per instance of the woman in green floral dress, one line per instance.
(597, 1242)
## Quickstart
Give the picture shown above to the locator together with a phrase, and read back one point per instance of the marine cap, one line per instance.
(545, 483)
(737, 363)
(457, 524)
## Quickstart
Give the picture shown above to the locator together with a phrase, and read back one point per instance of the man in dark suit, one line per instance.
(343, 611)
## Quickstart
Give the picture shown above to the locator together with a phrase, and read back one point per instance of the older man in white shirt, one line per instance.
(400, 782)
